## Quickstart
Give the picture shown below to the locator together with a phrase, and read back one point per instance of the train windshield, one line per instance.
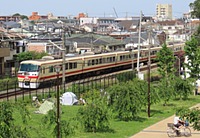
(29, 67)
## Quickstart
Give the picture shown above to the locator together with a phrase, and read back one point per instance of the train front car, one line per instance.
(28, 75)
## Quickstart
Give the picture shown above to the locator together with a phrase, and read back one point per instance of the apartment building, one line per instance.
(164, 11)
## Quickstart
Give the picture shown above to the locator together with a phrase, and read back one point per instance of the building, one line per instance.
(164, 11)
(35, 16)
(10, 45)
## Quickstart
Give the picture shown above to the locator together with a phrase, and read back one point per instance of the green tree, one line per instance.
(94, 116)
(182, 87)
(166, 89)
(192, 115)
(8, 127)
(126, 76)
(30, 55)
(192, 51)
(21, 16)
(195, 6)
(154, 94)
(165, 60)
(126, 99)
(49, 120)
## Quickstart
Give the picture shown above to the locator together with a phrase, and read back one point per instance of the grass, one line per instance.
(120, 129)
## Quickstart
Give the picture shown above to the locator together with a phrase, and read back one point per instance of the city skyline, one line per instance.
(107, 8)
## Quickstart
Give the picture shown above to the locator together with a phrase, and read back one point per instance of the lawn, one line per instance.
(119, 129)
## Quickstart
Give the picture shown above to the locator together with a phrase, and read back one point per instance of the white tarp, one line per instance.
(45, 107)
(68, 98)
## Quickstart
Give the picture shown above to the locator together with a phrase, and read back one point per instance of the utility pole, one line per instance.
(139, 37)
(149, 71)
(63, 59)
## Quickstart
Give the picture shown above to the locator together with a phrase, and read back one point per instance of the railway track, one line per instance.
(15, 93)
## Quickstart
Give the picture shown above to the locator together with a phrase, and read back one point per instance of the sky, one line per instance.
(94, 8)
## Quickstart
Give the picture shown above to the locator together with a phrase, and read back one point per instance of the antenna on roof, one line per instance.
(115, 12)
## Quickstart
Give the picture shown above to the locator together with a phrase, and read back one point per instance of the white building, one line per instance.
(164, 11)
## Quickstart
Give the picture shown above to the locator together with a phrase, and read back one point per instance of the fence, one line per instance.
(9, 90)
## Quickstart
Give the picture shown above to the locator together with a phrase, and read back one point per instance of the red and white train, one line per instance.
(34, 72)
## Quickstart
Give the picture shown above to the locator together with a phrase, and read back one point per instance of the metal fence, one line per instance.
(9, 90)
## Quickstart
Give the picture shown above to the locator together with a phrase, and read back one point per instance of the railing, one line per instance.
(14, 93)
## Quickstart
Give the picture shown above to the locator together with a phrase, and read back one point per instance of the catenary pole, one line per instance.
(139, 37)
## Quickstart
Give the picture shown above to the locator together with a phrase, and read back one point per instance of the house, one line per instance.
(94, 42)
(171, 27)
(35, 16)
(10, 45)
(26, 24)
(133, 40)
(11, 24)
(48, 44)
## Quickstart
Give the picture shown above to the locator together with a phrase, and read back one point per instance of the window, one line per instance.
(104, 60)
(100, 61)
(89, 62)
(75, 65)
(51, 68)
(121, 58)
(29, 67)
(43, 70)
(70, 65)
(108, 60)
(66, 66)
(97, 61)
(127, 57)
(93, 62)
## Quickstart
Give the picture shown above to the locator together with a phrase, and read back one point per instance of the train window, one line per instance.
(51, 68)
(70, 65)
(100, 61)
(113, 59)
(121, 58)
(108, 60)
(89, 62)
(75, 65)
(43, 70)
(135, 55)
(93, 62)
(29, 67)
(97, 61)
(66, 66)
(127, 57)
(104, 60)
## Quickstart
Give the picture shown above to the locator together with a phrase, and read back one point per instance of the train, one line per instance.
(32, 73)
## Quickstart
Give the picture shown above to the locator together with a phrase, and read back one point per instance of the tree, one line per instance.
(195, 7)
(192, 51)
(182, 87)
(8, 127)
(126, 99)
(126, 76)
(21, 16)
(165, 60)
(66, 128)
(192, 115)
(30, 55)
(165, 89)
(94, 116)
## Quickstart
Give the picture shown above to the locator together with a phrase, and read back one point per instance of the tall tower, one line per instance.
(164, 11)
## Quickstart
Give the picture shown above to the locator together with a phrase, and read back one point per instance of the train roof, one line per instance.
(70, 58)
(74, 57)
